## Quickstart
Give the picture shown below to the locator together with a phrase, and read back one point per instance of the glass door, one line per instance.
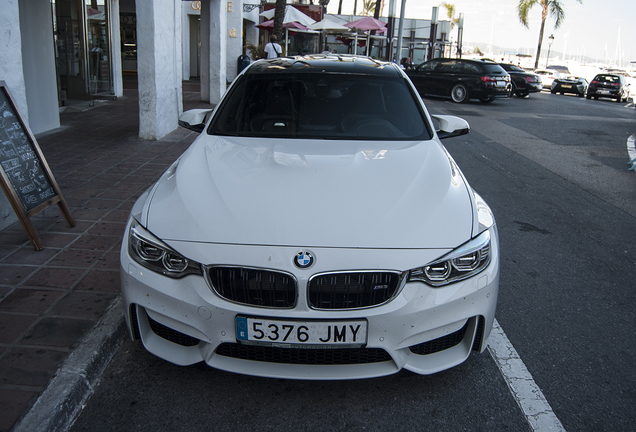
(98, 48)
(82, 40)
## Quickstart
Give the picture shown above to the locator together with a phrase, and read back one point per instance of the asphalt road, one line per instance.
(554, 170)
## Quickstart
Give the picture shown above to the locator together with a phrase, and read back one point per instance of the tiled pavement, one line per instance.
(50, 299)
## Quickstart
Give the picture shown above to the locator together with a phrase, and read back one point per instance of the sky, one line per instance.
(590, 29)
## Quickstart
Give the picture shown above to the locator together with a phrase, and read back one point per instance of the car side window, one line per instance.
(470, 68)
(446, 66)
(428, 66)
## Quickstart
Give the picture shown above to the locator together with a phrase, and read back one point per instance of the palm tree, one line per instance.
(450, 13)
(368, 7)
(551, 7)
(279, 15)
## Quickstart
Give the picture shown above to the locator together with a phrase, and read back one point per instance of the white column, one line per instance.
(38, 65)
(11, 71)
(159, 66)
(235, 37)
(213, 49)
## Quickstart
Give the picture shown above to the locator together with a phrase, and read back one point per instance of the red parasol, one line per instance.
(367, 23)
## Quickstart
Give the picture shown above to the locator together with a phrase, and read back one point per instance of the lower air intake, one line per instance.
(172, 335)
(341, 356)
(440, 344)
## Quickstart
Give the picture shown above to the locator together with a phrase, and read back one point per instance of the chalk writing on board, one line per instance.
(20, 161)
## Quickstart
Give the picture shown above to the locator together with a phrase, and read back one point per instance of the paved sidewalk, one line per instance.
(51, 299)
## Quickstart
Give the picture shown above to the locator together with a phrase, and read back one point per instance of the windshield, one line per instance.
(323, 106)
(494, 69)
(608, 78)
(511, 67)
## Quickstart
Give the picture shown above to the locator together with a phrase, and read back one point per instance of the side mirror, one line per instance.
(194, 119)
(450, 126)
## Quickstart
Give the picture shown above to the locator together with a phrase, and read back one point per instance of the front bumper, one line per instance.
(422, 329)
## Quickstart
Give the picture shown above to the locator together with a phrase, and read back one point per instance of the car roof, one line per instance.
(324, 63)
(512, 66)
(480, 61)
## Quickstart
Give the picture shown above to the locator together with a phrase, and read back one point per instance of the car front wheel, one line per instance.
(459, 93)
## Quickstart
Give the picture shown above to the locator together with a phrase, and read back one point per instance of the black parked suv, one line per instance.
(523, 83)
(461, 79)
(609, 86)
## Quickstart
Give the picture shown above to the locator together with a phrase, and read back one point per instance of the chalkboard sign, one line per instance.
(19, 160)
(26, 177)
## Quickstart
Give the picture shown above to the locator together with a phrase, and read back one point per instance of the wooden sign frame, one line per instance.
(28, 152)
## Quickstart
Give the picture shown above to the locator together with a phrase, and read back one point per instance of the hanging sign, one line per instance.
(25, 175)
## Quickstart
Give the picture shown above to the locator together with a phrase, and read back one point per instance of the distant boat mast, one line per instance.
(618, 61)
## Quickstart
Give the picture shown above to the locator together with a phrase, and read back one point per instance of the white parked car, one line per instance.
(316, 229)
(547, 76)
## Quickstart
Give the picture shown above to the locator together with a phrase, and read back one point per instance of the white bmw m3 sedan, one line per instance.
(316, 229)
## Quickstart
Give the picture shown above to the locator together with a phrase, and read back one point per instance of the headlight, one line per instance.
(153, 254)
(466, 261)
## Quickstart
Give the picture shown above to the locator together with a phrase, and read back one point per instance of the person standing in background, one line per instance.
(273, 49)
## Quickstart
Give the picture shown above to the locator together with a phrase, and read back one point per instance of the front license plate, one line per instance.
(566, 86)
(301, 334)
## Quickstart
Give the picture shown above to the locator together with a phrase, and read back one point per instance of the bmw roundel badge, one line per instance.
(304, 259)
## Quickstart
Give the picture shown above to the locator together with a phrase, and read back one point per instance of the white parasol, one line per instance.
(291, 15)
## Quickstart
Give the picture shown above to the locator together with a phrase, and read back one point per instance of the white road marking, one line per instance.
(526, 392)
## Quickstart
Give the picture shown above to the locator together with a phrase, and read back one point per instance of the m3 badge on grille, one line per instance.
(304, 259)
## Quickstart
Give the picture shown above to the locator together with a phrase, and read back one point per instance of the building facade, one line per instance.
(54, 52)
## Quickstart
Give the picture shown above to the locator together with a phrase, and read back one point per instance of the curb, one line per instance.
(61, 402)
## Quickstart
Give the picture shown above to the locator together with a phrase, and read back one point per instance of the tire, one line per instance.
(588, 97)
(459, 93)
(487, 99)
(552, 91)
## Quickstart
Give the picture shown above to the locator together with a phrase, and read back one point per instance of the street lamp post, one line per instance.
(550, 40)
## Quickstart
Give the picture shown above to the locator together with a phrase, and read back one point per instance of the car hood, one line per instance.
(320, 193)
